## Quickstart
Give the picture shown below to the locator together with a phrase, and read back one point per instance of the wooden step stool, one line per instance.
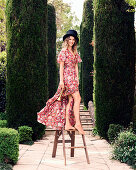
(71, 133)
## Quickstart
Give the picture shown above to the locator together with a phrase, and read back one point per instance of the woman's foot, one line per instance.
(69, 127)
(80, 129)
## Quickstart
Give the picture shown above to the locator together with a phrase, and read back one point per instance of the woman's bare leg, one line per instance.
(76, 108)
(68, 125)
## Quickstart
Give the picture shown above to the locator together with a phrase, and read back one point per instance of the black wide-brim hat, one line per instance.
(71, 33)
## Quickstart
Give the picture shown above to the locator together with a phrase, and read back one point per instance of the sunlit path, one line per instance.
(39, 156)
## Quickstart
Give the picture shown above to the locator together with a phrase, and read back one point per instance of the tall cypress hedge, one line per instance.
(86, 37)
(81, 72)
(52, 64)
(27, 81)
(114, 64)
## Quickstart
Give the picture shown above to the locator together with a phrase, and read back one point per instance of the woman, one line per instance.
(58, 114)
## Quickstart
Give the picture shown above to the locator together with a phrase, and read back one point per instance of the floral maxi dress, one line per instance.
(54, 113)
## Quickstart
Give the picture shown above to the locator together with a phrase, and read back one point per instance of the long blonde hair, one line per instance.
(65, 45)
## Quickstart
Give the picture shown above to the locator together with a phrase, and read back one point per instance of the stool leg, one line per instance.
(64, 152)
(87, 157)
(55, 143)
(72, 143)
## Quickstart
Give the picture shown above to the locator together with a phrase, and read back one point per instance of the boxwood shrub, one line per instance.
(25, 133)
(113, 131)
(9, 145)
(4, 166)
(3, 116)
(3, 123)
(124, 148)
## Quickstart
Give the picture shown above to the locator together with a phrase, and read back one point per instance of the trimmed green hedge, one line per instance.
(25, 133)
(3, 63)
(52, 64)
(27, 75)
(114, 64)
(9, 145)
(86, 50)
(3, 123)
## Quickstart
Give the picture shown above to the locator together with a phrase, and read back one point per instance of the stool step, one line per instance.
(66, 141)
(58, 133)
(70, 130)
(76, 147)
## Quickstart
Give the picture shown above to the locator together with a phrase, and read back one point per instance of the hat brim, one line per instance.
(67, 35)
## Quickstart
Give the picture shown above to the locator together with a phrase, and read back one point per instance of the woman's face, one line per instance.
(71, 41)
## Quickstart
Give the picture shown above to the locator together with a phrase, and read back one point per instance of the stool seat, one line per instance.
(71, 133)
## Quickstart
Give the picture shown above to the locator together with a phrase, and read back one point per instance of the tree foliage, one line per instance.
(65, 19)
(2, 25)
(131, 3)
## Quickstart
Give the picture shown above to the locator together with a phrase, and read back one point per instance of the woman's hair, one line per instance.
(65, 45)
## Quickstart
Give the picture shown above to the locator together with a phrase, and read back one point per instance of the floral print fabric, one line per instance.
(54, 113)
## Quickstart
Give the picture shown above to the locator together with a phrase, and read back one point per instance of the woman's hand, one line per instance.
(92, 43)
(61, 85)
